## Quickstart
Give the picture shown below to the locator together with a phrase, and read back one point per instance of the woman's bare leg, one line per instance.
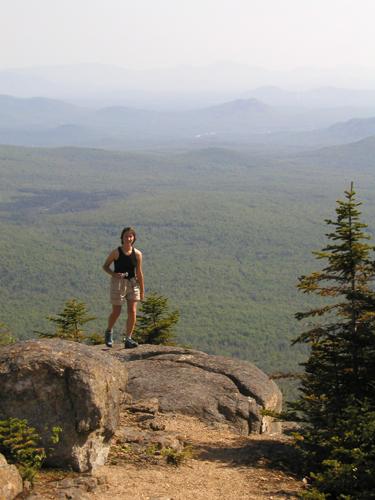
(132, 317)
(112, 318)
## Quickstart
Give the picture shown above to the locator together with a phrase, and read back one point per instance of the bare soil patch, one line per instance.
(218, 464)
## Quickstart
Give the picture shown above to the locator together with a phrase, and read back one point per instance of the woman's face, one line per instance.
(128, 238)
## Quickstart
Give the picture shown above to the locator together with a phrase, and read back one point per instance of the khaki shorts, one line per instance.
(122, 290)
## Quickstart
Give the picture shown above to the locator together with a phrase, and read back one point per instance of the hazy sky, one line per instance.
(140, 34)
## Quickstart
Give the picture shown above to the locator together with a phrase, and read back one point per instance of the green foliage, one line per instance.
(6, 336)
(172, 456)
(155, 324)
(337, 401)
(94, 338)
(55, 434)
(176, 458)
(313, 494)
(69, 323)
(152, 449)
(349, 470)
(20, 444)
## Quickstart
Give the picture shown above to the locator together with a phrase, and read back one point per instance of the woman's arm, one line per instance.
(114, 255)
(139, 273)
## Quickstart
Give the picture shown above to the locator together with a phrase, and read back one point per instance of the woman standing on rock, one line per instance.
(127, 285)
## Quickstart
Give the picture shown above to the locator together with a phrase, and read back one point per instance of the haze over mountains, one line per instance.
(190, 87)
(49, 122)
(111, 107)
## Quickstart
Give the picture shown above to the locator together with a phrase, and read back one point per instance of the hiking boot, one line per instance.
(108, 338)
(130, 343)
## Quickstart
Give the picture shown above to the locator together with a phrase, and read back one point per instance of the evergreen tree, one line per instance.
(69, 323)
(155, 324)
(338, 386)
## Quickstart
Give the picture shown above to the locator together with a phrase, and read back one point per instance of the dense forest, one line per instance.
(225, 235)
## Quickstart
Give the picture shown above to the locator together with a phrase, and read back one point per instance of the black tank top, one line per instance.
(126, 263)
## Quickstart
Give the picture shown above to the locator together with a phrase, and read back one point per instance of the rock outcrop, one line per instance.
(213, 388)
(58, 383)
(80, 389)
(10, 480)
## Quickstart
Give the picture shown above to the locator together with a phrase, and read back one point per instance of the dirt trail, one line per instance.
(224, 466)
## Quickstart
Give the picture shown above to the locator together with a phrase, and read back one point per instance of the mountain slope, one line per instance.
(359, 155)
(37, 112)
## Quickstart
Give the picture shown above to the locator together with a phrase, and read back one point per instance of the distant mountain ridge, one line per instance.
(345, 132)
(50, 122)
(37, 111)
(240, 106)
(223, 78)
(321, 97)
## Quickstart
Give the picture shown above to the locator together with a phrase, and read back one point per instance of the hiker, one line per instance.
(127, 285)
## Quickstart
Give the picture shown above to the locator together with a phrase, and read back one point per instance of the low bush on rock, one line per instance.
(156, 323)
(69, 324)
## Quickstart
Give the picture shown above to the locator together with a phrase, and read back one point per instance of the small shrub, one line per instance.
(70, 322)
(155, 323)
(152, 450)
(20, 444)
(176, 458)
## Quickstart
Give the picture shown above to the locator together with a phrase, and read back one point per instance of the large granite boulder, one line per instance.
(213, 388)
(59, 383)
(10, 480)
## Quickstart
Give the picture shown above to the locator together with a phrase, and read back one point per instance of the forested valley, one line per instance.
(225, 234)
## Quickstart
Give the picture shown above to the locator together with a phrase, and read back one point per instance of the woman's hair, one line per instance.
(128, 230)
